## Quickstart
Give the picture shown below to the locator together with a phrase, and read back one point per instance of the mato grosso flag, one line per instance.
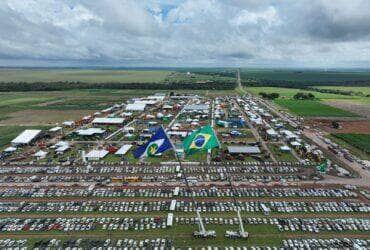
(202, 139)
(158, 143)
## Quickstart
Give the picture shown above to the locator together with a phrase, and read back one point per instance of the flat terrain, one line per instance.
(312, 108)
(306, 76)
(360, 141)
(309, 108)
(82, 75)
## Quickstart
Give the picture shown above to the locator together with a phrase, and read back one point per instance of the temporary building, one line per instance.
(124, 149)
(244, 149)
(90, 131)
(26, 137)
(196, 107)
(95, 155)
(40, 154)
(10, 149)
(135, 107)
(55, 129)
(285, 148)
(106, 120)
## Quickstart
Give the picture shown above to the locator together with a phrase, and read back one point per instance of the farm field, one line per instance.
(82, 75)
(306, 76)
(313, 108)
(360, 141)
(318, 107)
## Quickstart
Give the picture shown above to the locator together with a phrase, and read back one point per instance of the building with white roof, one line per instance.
(124, 149)
(135, 107)
(90, 131)
(26, 137)
(106, 120)
(95, 155)
(40, 154)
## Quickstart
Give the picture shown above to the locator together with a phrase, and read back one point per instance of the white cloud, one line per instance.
(185, 32)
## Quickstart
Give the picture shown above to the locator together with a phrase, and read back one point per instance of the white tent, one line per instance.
(135, 107)
(96, 154)
(106, 120)
(124, 149)
(26, 136)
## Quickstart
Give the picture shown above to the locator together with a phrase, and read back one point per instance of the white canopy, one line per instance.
(26, 136)
(124, 149)
(97, 154)
(106, 120)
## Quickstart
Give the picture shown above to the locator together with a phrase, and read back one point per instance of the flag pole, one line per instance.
(202, 230)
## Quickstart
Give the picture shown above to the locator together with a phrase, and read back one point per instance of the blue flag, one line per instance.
(158, 143)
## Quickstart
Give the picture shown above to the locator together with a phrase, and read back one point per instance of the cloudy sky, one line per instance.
(250, 33)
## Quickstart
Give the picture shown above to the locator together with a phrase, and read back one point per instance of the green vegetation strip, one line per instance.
(310, 108)
(360, 141)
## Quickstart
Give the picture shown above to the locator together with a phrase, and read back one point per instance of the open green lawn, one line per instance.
(360, 141)
(312, 108)
(82, 75)
(309, 108)
(288, 93)
(305, 76)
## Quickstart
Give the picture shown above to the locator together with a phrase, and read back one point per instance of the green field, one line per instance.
(310, 77)
(312, 108)
(85, 75)
(360, 141)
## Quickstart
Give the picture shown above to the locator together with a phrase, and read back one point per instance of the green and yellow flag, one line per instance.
(322, 167)
(202, 139)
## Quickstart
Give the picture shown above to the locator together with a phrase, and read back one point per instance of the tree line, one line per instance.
(60, 85)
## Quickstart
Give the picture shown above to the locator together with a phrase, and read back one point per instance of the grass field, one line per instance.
(360, 141)
(312, 108)
(85, 75)
(307, 76)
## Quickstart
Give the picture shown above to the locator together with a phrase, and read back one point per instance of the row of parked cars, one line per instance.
(182, 206)
(331, 243)
(169, 192)
(81, 224)
(312, 225)
(132, 169)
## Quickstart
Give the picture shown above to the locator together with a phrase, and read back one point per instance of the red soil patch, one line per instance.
(359, 127)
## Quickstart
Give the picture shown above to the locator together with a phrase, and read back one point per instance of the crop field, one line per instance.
(313, 108)
(306, 76)
(310, 108)
(360, 141)
(88, 76)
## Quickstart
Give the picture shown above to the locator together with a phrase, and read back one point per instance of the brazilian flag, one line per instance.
(202, 139)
